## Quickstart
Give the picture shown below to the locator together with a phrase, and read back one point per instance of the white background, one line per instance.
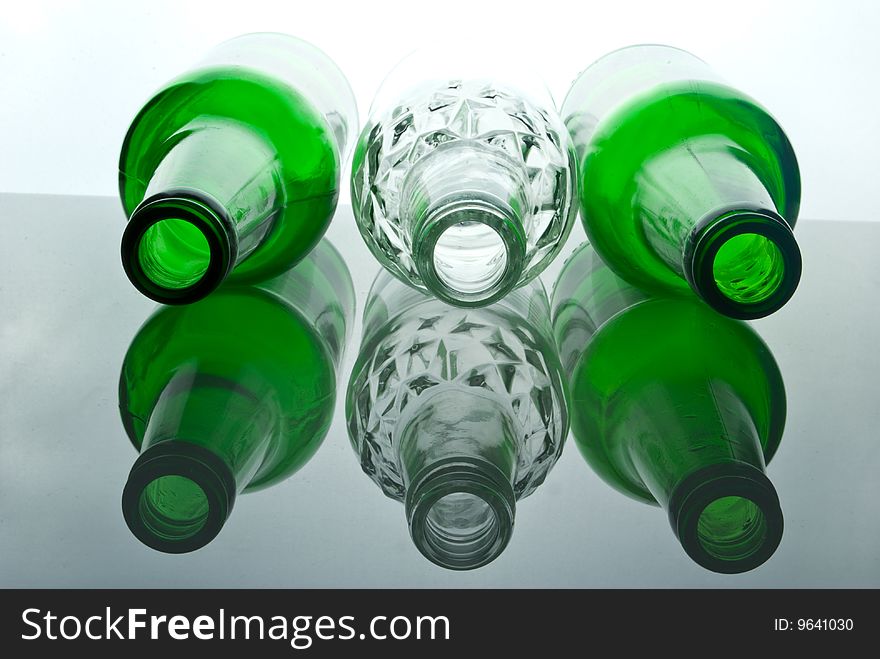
(73, 74)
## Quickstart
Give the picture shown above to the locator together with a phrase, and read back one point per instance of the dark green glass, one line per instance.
(674, 405)
(230, 394)
(232, 169)
(686, 183)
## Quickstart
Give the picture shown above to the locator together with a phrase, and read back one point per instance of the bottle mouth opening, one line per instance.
(744, 264)
(177, 250)
(727, 517)
(461, 515)
(732, 528)
(748, 268)
(462, 525)
(173, 507)
(177, 497)
(471, 256)
(174, 253)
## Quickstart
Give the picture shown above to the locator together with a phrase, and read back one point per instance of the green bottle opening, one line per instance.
(748, 268)
(178, 496)
(727, 517)
(732, 528)
(174, 253)
(745, 263)
(174, 507)
(178, 248)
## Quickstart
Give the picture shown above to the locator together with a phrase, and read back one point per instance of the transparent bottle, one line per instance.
(463, 181)
(458, 413)
(230, 394)
(686, 182)
(232, 170)
(674, 405)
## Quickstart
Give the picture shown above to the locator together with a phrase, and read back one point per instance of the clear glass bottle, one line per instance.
(230, 394)
(457, 412)
(232, 170)
(463, 181)
(685, 182)
(674, 405)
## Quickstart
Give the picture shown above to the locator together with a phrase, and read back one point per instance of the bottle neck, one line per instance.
(466, 209)
(457, 454)
(709, 217)
(211, 201)
(695, 448)
(205, 440)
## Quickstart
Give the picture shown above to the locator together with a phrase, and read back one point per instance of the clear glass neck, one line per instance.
(457, 454)
(465, 207)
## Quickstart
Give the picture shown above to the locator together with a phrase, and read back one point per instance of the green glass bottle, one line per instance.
(232, 169)
(686, 183)
(230, 394)
(674, 405)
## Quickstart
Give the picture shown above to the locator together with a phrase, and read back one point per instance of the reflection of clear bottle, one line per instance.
(674, 405)
(233, 168)
(685, 182)
(463, 184)
(458, 413)
(230, 394)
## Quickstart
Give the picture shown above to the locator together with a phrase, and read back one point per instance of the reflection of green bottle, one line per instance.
(230, 394)
(685, 182)
(233, 168)
(675, 405)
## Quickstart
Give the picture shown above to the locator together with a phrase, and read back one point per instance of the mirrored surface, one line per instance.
(69, 314)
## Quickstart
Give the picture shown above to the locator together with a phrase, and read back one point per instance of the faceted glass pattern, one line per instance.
(527, 137)
(413, 343)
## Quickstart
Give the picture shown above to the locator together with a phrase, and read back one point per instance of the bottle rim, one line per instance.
(195, 209)
(204, 471)
(499, 277)
(765, 295)
(740, 486)
(481, 482)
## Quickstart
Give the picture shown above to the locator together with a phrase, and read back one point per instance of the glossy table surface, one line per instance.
(67, 314)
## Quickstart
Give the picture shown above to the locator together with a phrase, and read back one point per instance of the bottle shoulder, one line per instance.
(300, 65)
(676, 114)
(215, 97)
(669, 112)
